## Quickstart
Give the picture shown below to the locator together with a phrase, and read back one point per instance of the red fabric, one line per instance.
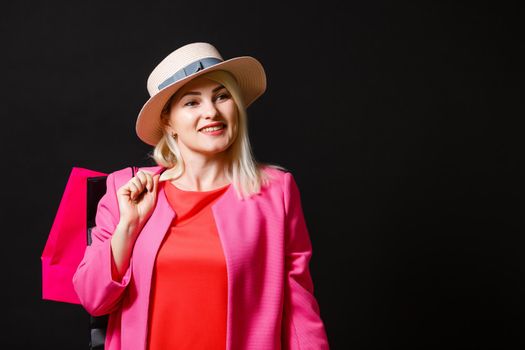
(189, 285)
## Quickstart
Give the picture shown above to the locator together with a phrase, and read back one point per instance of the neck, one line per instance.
(202, 172)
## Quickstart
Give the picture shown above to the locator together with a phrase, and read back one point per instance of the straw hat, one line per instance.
(185, 64)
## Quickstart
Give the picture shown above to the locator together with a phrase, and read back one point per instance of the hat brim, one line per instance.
(248, 72)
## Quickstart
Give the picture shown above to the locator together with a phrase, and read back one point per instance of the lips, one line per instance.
(211, 125)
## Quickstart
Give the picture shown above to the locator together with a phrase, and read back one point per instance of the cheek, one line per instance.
(182, 122)
(236, 118)
(234, 122)
(233, 115)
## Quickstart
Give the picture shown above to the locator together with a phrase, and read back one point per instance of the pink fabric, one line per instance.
(66, 242)
(267, 249)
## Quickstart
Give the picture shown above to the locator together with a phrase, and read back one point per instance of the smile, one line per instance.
(214, 130)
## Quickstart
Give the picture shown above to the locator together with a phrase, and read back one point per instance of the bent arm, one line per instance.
(99, 281)
(303, 327)
(122, 242)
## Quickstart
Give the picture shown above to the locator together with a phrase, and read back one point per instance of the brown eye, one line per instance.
(223, 96)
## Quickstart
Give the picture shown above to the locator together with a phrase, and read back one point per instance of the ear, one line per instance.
(166, 123)
(169, 130)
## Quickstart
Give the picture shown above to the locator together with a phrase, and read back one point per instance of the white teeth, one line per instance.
(213, 128)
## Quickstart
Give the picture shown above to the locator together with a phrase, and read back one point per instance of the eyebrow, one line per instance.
(198, 93)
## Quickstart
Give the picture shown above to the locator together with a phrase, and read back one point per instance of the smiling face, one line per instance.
(200, 103)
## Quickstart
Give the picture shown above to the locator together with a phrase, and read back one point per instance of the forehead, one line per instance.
(199, 84)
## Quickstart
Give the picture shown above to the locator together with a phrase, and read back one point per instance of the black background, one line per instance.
(398, 120)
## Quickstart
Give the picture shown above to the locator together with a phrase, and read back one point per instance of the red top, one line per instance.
(189, 284)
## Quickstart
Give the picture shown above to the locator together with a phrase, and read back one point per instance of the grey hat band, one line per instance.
(191, 68)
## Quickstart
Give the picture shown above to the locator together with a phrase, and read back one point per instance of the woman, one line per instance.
(209, 249)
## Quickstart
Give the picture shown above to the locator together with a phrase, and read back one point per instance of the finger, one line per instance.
(134, 190)
(146, 179)
(149, 184)
(156, 182)
(138, 183)
(142, 176)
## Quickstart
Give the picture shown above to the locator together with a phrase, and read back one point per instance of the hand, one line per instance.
(136, 199)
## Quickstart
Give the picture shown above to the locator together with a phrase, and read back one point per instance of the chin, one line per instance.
(213, 151)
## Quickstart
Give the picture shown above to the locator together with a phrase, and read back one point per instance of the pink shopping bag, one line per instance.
(66, 242)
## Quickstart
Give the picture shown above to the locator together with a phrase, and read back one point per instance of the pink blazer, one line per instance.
(267, 248)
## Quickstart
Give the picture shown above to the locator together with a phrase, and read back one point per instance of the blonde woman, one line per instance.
(209, 249)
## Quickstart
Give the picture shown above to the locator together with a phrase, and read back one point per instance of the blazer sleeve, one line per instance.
(303, 328)
(93, 281)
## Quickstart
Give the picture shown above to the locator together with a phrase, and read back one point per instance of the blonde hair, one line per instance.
(242, 169)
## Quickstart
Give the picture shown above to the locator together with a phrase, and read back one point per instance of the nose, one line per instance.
(209, 110)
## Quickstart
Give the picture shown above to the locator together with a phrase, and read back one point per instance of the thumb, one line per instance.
(156, 182)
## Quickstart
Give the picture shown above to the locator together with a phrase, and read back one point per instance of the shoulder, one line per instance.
(151, 169)
(122, 175)
(286, 185)
(279, 177)
(278, 173)
(127, 170)
(274, 173)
